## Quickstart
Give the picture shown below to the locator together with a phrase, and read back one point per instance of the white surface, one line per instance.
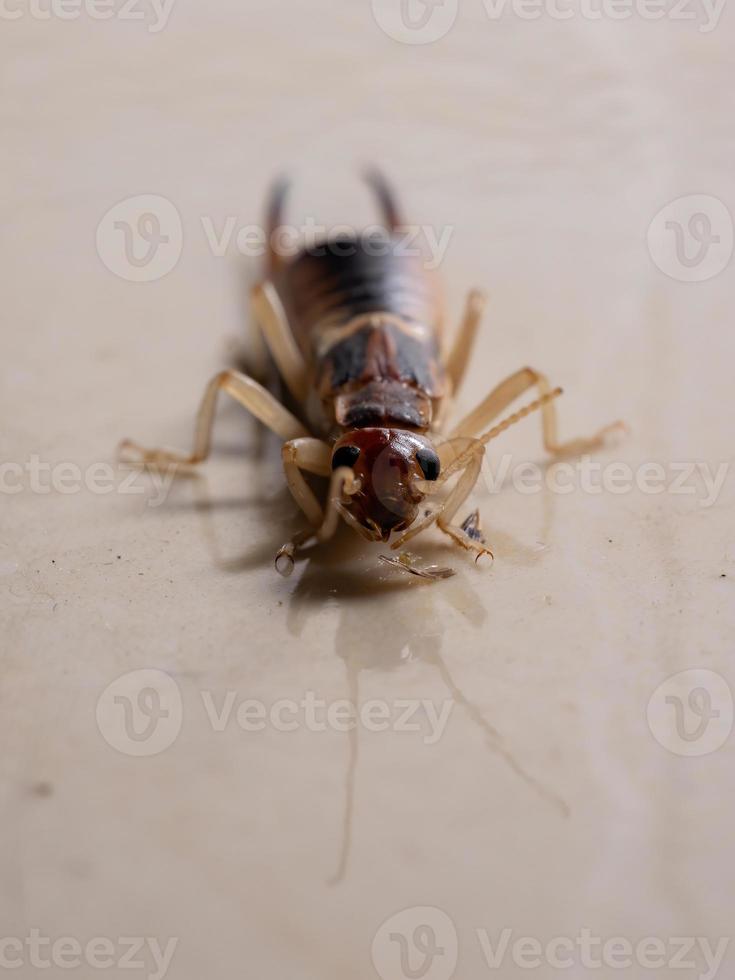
(548, 147)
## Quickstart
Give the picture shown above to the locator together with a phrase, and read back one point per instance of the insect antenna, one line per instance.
(520, 414)
(464, 446)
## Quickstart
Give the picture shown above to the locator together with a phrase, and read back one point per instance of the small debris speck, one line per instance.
(723, 575)
(43, 789)
(406, 563)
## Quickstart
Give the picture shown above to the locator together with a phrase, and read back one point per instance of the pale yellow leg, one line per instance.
(244, 390)
(510, 389)
(464, 342)
(271, 318)
(313, 456)
(324, 526)
(469, 468)
(454, 501)
(463, 454)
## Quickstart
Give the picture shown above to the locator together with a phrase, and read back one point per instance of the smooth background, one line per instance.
(548, 147)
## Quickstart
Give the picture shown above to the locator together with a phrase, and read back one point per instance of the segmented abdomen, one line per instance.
(369, 325)
(333, 283)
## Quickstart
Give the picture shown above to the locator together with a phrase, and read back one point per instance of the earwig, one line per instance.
(357, 336)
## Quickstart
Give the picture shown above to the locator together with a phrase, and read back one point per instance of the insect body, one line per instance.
(367, 323)
(355, 328)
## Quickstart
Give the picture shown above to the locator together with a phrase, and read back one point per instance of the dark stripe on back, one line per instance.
(323, 281)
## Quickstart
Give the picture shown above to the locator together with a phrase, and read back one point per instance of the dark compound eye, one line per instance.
(429, 463)
(345, 456)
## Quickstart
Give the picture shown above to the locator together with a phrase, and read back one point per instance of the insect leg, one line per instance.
(464, 455)
(325, 523)
(454, 501)
(244, 390)
(271, 317)
(510, 389)
(311, 455)
(464, 342)
(470, 468)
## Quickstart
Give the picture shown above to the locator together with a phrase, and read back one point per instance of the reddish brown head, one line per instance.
(390, 465)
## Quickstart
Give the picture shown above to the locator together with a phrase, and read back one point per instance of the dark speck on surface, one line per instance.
(42, 789)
